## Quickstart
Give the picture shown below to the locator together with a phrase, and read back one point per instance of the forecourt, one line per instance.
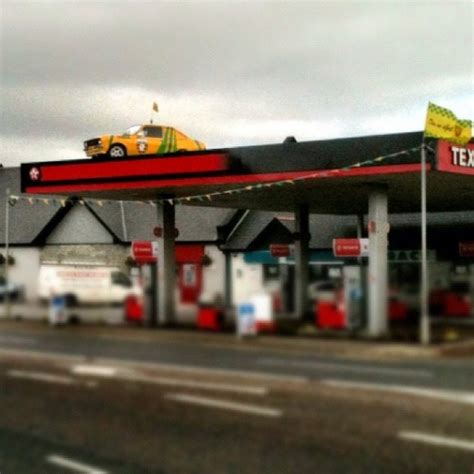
(342, 176)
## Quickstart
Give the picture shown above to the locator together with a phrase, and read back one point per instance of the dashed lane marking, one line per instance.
(224, 405)
(41, 376)
(211, 386)
(109, 372)
(72, 465)
(426, 438)
(94, 370)
(446, 395)
(363, 369)
(17, 340)
(80, 358)
(191, 369)
(42, 355)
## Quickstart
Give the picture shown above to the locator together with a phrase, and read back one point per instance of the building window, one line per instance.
(271, 272)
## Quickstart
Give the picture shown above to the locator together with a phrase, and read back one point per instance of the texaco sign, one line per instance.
(455, 158)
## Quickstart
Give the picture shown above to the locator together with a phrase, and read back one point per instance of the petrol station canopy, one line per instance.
(331, 176)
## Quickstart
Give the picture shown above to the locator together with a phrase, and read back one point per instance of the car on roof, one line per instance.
(141, 140)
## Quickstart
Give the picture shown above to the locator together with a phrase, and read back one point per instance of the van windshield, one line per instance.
(119, 278)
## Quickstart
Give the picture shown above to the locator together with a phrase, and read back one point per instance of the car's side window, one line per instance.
(153, 132)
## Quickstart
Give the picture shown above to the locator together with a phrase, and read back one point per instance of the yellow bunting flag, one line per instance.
(442, 123)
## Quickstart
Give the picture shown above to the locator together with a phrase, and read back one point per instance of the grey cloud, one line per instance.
(214, 65)
(211, 45)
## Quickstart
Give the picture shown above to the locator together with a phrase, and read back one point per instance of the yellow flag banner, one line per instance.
(155, 107)
(442, 123)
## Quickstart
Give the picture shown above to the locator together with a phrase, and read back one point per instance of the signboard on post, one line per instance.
(280, 250)
(350, 247)
(144, 251)
(466, 249)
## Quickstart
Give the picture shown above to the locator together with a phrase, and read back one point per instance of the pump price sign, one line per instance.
(144, 251)
(350, 247)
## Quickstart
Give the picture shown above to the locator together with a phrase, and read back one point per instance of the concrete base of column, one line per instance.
(228, 282)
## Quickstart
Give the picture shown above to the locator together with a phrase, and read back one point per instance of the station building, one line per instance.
(298, 194)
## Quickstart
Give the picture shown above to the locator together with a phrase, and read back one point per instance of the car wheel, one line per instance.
(117, 151)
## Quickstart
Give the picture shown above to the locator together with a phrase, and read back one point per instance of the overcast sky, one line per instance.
(227, 73)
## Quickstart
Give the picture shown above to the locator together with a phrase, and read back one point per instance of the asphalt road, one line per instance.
(80, 400)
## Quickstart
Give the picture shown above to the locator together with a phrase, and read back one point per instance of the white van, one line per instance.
(82, 284)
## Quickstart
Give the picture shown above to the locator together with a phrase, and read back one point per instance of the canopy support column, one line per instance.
(378, 263)
(228, 282)
(302, 238)
(166, 264)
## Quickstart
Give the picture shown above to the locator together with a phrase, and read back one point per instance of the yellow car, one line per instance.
(141, 140)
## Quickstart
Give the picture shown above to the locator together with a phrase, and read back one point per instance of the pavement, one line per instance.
(130, 400)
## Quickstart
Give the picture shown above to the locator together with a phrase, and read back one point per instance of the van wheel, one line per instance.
(70, 300)
(117, 151)
(74, 320)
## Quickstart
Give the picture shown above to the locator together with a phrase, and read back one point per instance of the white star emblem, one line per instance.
(34, 174)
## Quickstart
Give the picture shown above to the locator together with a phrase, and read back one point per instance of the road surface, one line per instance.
(92, 400)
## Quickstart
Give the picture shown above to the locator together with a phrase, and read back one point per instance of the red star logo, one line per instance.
(35, 174)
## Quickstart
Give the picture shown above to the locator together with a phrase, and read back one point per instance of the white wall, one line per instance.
(26, 270)
(247, 279)
(214, 275)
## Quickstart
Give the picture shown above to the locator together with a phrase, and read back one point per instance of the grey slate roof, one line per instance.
(195, 224)
(26, 221)
(323, 228)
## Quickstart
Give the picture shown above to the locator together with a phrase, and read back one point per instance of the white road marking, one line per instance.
(95, 370)
(191, 369)
(17, 339)
(62, 357)
(73, 465)
(437, 440)
(225, 405)
(41, 376)
(45, 355)
(213, 386)
(447, 395)
(102, 371)
(346, 367)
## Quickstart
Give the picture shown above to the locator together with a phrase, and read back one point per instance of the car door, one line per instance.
(129, 139)
(151, 140)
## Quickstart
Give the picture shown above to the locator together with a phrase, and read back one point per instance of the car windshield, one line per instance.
(132, 130)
